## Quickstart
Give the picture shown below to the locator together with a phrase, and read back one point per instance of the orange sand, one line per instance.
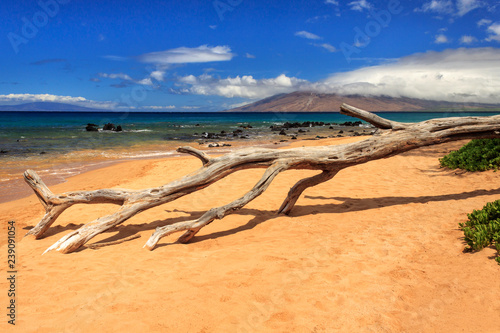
(376, 249)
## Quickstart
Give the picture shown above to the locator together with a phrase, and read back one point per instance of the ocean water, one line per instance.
(57, 146)
(31, 133)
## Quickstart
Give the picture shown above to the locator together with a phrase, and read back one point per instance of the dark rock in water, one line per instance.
(109, 127)
(282, 132)
(3, 151)
(92, 128)
(294, 137)
(320, 137)
(119, 128)
(357, 134)
(237, 131)
(195, 133)
(42, 153)
(351, 123)
(283, 140)
(197, 125)
(226, 145)
(302, 131)
(222, 132)
(351, 131)
(340, 132)
(331, 127)
(209, 135)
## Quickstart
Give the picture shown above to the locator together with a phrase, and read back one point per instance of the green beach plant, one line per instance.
(483, 228)
(477, 155)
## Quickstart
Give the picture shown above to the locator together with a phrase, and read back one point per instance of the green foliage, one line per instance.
(483, 228)
(477, 155)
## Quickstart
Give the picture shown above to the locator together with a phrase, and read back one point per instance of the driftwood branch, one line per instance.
(392, 138)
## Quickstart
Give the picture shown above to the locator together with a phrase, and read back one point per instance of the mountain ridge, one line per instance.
(316, 102)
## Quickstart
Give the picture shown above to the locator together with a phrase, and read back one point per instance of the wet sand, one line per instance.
(376, 249)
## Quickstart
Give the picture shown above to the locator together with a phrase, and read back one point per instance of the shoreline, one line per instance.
(57, 169)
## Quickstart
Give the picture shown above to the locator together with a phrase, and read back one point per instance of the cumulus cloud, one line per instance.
(455, 75)
(240, 86)
(157, 107)
(441, 39)
(158, 75)
(359, 5)
(80, 101)
(437, 6)
(461, 7)
(494, 32)
(458, 75)
(466, 39)
(308, 35)
(482, 22)
(465, 6)
(184, 55)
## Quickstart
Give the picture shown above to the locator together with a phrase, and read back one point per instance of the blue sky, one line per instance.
(212, 55)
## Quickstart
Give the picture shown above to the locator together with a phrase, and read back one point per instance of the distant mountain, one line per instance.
(314, 102)
(45, 106)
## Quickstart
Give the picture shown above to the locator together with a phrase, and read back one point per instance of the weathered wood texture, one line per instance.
(391, 138)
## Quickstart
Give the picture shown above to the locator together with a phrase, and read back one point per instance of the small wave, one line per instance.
(139, 131)
(137, 155)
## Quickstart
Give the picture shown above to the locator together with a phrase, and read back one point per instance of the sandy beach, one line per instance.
(376, 249)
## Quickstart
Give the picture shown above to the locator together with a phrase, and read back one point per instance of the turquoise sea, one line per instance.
(57, 145)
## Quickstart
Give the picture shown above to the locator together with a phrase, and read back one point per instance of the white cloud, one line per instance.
(359, 5)
(466, 39)
(121, 76)
(158, 75)
(437, 6)
(458, 75)
(461, 8)
(250, 56)
(308, 35)
(441, 39)
(245, 86)
(328, 47)
(465, 6)
(494, 31)
(183, 55)
(157, 107)
(332, 2)
(483, 22)
(80, 101)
